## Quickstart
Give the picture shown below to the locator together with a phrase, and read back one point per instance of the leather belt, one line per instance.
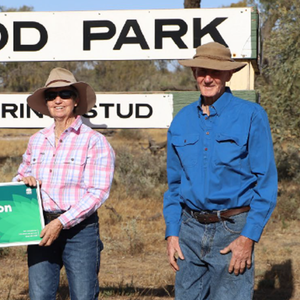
(51, 216)
(212, 217)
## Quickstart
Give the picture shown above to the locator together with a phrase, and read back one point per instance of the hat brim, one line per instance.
(87, 98)
(213, 64)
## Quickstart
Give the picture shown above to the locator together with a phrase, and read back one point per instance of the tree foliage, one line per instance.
(192, 3)
(242, 3)
(26, 77)
(22, 8)
(280, 87)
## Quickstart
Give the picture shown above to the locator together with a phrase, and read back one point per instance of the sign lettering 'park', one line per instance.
(117, 35)
(121, 35)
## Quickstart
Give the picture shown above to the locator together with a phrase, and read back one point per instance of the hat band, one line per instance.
(213, 57)
(59, 80)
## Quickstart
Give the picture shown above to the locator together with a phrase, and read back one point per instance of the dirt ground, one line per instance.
(134, 262)
(148, 276)
(145, 274)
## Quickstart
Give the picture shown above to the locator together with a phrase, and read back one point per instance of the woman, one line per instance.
(74, 166)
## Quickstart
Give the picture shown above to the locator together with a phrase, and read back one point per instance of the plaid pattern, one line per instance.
(76, 175)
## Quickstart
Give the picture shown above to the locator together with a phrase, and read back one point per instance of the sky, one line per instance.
(70, 5)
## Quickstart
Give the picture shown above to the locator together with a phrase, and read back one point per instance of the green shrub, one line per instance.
(131, 134)
(141, 174)
(9, 167)
(288, 202)
(4, 252)
(288, 163)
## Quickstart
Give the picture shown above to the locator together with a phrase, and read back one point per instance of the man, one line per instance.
(222, 184)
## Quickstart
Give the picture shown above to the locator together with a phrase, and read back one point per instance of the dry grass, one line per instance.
(134, 261)
(277, 262)
(145, 273)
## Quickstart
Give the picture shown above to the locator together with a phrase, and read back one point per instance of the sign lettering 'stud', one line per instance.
(132, 111)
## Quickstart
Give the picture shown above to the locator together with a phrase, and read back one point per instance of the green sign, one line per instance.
(21, 215)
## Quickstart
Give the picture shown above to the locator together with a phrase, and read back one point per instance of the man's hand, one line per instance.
(174, 251)
(241, 249)
(50, 233)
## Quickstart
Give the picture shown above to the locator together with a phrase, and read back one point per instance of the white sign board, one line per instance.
(122, 35)
(110, 111)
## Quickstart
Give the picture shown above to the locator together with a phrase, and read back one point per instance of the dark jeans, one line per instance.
(78, 249)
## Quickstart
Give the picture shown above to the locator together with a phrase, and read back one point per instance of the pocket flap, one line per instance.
(181, 141)
(229, 138)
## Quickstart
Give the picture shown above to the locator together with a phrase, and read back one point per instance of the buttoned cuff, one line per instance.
(252, 232)
(172, 230)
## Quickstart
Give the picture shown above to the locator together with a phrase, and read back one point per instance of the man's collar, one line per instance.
(221, 103)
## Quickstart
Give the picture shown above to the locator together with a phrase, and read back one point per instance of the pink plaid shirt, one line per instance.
(76, 175)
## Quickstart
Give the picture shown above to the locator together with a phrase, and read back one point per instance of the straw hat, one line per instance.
(213, 56)
(60, 77)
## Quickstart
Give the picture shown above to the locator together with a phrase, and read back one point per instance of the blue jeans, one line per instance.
(78, 249)
(203, 274)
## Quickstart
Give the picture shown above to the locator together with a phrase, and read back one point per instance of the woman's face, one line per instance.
(61, 102)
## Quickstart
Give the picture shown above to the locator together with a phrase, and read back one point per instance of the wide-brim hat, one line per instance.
(213, 56)
(60, 77)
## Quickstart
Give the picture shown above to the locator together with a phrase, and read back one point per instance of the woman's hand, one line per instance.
(50, 232)
(31, 181)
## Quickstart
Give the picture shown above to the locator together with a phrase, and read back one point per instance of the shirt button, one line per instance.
(207, 132)
(50, 171)
(72, 159)
(205, 149)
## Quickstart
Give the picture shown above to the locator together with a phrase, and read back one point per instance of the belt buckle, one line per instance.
(202, 217)
(207, 219)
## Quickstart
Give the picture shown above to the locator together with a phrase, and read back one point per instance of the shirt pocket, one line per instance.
(74, 167)
(75, 160)
(37, 158)
(187, 148)
(229, 149)
(37, 163)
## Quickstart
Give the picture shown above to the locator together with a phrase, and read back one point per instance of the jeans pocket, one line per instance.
(236, 223)
(186, 218)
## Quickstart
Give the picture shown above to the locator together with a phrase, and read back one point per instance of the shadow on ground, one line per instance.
(277, 284)
(164, 292)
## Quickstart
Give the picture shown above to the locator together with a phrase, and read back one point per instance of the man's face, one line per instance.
(211, 82)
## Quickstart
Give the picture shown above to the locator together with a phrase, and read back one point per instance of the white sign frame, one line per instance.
(110, 111)
(122, 35)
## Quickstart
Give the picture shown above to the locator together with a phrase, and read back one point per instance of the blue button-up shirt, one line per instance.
(221, 161)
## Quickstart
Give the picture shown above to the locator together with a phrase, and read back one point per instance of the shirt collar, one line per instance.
(221, 103)
(75, 126)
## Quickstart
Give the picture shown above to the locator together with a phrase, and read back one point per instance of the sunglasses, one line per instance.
(64, 94)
